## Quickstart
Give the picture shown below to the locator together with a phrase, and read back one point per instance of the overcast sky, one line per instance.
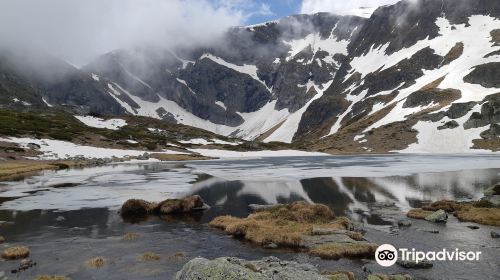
(79, 30)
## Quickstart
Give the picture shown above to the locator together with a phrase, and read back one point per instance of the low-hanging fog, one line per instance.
(77, 30)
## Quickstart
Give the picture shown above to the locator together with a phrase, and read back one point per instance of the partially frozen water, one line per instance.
(68, 216)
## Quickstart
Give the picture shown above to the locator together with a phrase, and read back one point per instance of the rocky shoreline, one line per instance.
(308, 228)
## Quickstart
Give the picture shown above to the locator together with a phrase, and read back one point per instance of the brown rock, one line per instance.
(15, 253)
(176, 206)
(137, 207)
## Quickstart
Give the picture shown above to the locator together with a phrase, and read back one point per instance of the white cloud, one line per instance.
(79, 30)
(340, 6)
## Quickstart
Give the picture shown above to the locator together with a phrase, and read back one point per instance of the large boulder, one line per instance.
(137, 207)
(228, 268)
(185, 205)
(439, 216)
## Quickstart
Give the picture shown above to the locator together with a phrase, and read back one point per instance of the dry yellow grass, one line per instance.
(480, 212)
(339, 275)
(130, 236)
(446, 205)
(96, 262)
(149, 256)
(52, 277)
(356, 235)
(14, 253)
(485, 216)
(336, 251)
(283, 225)
(418, 213)
(10, 169)
(178, 255)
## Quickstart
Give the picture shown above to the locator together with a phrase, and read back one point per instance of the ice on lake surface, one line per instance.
(351, 180)
(69, 216)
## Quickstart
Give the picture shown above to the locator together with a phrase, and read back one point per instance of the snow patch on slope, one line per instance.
(259, 122)
(476, 39)
(331, 45)
(456, 140)
(113, 124)
(55, 149)
(247, 69)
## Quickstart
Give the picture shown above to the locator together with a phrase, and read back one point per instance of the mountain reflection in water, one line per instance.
(347, 196)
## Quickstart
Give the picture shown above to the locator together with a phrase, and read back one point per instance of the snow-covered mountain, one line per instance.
(417, 76)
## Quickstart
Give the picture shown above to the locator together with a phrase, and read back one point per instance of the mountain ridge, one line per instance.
(413, 72)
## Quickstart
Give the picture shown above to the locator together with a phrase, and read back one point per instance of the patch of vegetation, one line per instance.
(483, 204)
(446, 205)
(150, 256)
(52, 277)
(97, 262)
(10, 169)
(130, 236)
(339, 275)
(62, 125)
(177, 256)
(418, 213)
(481, 212)
(484, 216)
(335, 251)
(284, 225)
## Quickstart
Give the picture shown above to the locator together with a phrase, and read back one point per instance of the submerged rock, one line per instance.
(228, 268)
(439, 216)
(404, 223)
(413, 264)
(494, 234)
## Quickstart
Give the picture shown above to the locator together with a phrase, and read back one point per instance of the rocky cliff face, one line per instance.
(417, 76)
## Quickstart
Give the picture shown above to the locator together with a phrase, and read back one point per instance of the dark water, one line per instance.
(67, 217)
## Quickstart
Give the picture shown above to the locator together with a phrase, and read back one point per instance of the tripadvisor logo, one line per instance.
(387, 255)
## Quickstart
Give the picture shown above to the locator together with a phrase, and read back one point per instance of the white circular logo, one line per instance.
(386, 255)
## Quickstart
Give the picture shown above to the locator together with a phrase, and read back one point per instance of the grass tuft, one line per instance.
(150, 256)
(335, 251)
(130, 236)
(484, 216)
(418, 213)
(52, 277)
(97, 262)
(284, 225)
